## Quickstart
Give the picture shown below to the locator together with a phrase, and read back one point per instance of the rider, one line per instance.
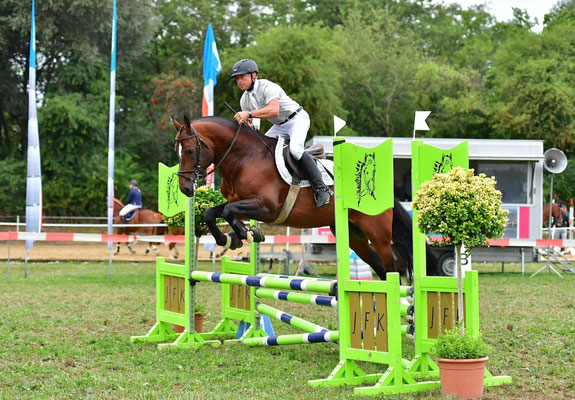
(134, 200)
(266, 99)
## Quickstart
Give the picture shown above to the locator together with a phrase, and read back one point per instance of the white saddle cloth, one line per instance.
(323, 165)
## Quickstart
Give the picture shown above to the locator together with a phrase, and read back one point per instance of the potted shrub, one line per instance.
(466, 210)
(461, 361)
(199, 315)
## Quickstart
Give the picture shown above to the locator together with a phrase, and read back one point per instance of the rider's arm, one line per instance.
(272, 109)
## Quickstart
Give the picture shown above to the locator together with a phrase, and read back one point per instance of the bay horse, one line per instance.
(143, 216)
(556, 212)
(254, 190)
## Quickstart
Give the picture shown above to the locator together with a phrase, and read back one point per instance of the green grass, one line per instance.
(65, 334)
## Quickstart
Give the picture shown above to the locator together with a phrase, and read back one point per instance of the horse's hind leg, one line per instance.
(377, 231)
(368, 254)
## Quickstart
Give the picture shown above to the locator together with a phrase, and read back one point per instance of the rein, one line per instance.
(199, 141)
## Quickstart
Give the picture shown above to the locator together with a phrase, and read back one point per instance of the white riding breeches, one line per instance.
(296, 128)
(128, 208)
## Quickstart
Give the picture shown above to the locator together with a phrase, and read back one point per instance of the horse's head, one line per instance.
(192, 156)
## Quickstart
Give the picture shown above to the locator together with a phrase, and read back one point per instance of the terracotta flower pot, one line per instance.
(198, 324)
(462, 378)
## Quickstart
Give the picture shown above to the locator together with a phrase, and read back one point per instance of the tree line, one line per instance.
(373, 63)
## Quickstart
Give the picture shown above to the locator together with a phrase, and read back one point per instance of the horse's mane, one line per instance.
(233, 126)
(118, 202)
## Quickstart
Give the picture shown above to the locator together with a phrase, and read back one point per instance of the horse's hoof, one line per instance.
(255, 234)
(234, 242)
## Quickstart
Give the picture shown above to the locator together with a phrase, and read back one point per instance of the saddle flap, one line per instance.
(292, 165)
(316, 151)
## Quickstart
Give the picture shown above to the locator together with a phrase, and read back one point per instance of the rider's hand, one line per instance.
(242, 117)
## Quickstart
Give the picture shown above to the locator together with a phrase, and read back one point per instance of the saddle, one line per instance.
(291, 163)
(130, 216)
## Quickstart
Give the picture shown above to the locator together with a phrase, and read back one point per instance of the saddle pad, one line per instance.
(323, 165)
(130, 216)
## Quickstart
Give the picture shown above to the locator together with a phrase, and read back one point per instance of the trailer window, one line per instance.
(512, 179)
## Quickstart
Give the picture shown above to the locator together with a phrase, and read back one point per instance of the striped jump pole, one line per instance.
(309, 278)
(262, 281)
(296, 322)
(296, 297)
(298, 338)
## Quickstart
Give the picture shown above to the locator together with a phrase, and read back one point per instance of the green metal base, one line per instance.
(423, 366)
(392, 381)
(162, 332)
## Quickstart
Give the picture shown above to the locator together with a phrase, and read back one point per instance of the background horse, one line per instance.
(556, 214)
(254, 189)
(142, 217)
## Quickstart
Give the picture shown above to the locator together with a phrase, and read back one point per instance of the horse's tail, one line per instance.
(402, 237)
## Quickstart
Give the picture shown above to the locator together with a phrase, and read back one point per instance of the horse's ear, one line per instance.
(177, 125)
(187, 121)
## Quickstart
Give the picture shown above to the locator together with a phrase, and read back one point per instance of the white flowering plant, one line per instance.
(464, 208)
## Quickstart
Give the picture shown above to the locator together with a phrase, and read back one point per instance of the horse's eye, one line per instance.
(190, 151)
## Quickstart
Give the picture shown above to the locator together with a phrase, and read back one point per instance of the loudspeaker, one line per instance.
(555, 161)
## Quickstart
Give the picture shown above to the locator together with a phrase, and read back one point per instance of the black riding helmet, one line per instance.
(244, 66)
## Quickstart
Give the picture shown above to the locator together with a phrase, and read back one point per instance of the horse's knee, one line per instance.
(228, 212)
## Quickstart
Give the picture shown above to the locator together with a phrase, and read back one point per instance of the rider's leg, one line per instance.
(321, 191)
(298, 128)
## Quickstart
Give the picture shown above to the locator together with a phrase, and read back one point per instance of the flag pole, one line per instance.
(33, 166)
(111, 139)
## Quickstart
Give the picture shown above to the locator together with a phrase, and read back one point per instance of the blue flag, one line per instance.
(212, 68)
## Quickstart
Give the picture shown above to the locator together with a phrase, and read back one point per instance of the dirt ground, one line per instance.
(86, 251)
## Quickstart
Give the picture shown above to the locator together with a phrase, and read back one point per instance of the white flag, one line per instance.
(420, 124)
(338, 123)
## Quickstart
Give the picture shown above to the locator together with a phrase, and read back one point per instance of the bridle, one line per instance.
(197, 170)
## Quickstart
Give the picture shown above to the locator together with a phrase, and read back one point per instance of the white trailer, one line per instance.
(517, 165)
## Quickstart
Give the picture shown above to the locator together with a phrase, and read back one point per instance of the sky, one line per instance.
(502, 9)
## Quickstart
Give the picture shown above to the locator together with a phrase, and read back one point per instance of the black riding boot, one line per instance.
(123, 218)
(321, 191)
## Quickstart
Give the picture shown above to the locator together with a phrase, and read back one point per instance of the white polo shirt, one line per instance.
(264, 91)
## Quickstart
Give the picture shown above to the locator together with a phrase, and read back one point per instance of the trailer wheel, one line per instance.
(446, 265)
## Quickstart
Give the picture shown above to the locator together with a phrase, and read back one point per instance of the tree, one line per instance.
(465, 209)
(301, 60)
(531, 86)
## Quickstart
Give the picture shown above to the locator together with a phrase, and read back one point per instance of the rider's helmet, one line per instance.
(134, 182)
(244, 66)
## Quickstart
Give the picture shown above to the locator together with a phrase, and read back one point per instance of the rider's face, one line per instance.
(244, 81)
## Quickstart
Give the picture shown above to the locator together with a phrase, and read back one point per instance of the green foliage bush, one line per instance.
(206, 197)
(463, 207)
(451, 345)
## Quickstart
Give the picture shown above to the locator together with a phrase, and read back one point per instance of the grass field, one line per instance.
(65, 335)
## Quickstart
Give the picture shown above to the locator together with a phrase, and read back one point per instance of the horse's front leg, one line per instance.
(253, 208)
(210, 218)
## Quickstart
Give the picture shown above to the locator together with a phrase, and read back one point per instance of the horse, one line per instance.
(174, 253)
(143, 216)
(254, 190)
(556, 212)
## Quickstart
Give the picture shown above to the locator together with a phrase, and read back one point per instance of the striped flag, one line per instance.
(34, 173)
(212, 68)
(111, 128)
